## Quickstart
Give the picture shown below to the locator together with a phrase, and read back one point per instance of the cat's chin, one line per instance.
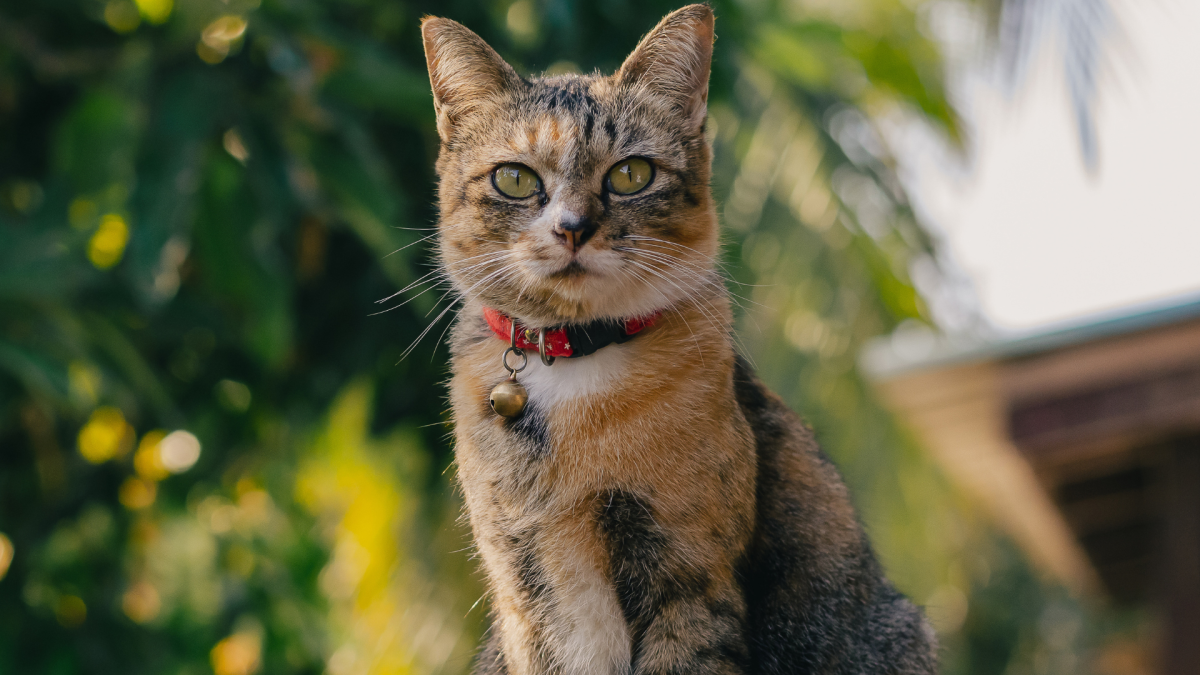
(591, 297)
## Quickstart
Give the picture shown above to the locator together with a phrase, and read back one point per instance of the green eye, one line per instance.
(516, 181)
(630, 176)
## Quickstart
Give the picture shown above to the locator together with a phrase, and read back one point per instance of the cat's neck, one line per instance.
(689, 340)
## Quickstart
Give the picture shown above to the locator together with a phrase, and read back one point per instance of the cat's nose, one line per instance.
(574, 231)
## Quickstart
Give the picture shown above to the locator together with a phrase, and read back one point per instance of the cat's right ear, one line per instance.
(674, 60)
(465, 72)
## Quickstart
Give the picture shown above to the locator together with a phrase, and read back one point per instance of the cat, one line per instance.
(641, 503)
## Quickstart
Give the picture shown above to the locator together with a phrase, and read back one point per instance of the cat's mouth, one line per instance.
(573, 269)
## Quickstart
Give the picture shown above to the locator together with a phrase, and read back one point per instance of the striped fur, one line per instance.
(654, 509)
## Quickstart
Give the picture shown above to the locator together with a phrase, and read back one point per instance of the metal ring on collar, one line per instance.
(548, 360)
(524, 360)
(512, 339)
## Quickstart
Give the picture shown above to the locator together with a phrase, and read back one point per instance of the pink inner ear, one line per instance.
(675, 58)
(463, 70)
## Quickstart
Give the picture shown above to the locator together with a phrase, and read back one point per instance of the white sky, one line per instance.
(1041, 239)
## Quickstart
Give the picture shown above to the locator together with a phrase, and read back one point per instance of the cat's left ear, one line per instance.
(464, 70)
(674, 60)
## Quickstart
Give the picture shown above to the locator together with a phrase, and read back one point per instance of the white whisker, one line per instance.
(425, 238)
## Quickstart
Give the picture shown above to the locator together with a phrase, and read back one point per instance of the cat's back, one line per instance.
(818, 601)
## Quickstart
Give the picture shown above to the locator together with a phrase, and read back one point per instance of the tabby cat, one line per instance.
(641, 503)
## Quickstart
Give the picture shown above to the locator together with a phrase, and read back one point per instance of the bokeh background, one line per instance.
(224, 440)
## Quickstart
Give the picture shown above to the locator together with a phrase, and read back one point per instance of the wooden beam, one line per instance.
(1150, 405)
(1099, 364)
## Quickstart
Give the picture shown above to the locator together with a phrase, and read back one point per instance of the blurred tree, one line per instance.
(214, 457)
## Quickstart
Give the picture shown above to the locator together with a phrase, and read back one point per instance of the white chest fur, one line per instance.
(570, 379)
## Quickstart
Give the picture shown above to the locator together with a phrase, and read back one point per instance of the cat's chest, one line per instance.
(562, 439)
(623, 415)
(571, 382)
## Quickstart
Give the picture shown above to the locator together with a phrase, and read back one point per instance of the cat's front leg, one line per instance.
(682, 603)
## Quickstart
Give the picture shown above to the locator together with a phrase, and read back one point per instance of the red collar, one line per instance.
(570, 340)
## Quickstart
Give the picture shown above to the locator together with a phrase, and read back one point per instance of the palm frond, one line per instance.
(1083, 31)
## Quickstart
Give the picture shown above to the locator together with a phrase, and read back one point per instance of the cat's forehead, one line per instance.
(577, 123)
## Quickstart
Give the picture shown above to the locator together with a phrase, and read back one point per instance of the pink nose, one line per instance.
(574, 231)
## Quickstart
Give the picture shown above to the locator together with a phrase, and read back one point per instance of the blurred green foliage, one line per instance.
(202, 201)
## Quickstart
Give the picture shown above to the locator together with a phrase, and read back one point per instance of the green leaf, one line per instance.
(97, 142)
(370, 78)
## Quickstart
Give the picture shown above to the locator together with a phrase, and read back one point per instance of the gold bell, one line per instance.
(508, 398)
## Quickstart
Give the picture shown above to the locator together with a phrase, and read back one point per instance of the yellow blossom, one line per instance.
(238, 654)
(155, 11)
(147, 461)
(6, 554)
(105, 436)
(108, 243)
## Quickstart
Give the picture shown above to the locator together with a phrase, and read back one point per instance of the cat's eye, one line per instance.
(516, 181)
(630, 176)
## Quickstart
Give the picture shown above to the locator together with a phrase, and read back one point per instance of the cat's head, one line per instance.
(575, 197)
